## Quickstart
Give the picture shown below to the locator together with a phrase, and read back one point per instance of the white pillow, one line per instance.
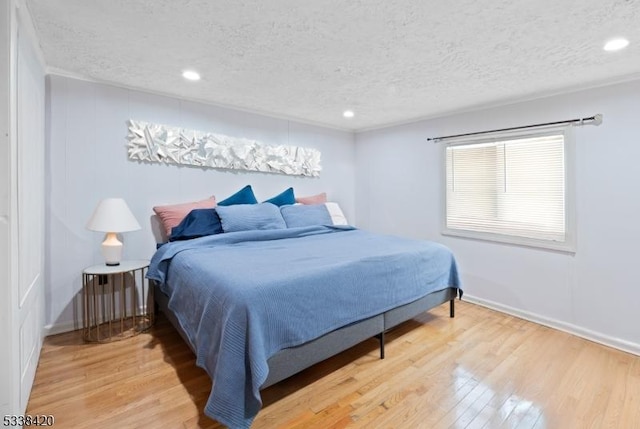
(336, 214)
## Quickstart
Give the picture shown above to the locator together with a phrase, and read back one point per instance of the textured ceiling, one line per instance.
(390, 61)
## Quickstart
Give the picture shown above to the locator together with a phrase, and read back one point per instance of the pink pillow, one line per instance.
(314, 199)
(172, 215)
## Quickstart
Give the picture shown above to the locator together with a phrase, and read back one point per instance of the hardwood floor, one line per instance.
(482, 369)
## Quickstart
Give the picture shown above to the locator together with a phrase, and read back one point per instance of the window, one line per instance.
(511, 188)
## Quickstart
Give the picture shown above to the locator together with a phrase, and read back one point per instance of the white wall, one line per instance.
(594, 292)
(87, 161)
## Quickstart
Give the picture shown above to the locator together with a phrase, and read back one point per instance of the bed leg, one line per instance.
(452, 309)
(380, 338)
(156, 306)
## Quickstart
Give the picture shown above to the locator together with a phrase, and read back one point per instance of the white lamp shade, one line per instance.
(112, 215)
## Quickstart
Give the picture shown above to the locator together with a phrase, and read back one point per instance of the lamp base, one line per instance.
(112, 264)
(112, 249)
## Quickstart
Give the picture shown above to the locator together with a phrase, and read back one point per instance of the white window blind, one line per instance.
(510, 187)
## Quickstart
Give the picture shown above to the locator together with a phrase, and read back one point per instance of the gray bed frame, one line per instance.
(292, 360)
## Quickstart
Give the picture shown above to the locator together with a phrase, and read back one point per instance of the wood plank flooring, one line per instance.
(482, 369)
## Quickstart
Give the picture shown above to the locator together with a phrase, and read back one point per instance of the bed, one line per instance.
(259, 306)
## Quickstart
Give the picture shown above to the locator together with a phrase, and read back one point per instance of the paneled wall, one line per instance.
(594, 292)
(87, 161)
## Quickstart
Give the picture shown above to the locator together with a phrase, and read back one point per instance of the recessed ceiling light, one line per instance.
(348, 114)
(616, 44)
(191, 75)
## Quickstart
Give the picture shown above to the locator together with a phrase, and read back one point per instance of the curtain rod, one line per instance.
(594, 120)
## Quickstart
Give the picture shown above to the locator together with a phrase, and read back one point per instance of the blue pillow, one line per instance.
(246, 217)
(243, 196)
(285, 198)
(197, 223)
(306, 215)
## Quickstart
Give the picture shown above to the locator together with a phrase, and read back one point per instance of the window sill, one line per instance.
(563, 247)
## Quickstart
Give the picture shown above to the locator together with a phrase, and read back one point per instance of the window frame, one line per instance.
(569, 244)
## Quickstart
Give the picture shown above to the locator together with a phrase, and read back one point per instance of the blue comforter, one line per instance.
(241, 297)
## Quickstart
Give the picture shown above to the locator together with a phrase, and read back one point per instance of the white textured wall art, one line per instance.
(172, 145)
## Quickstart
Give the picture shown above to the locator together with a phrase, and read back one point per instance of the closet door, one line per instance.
(30, 170)
(22, 128)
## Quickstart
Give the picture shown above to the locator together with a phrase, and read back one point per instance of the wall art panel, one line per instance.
(173, 145)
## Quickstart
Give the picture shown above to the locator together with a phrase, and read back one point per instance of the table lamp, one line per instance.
(112, 215)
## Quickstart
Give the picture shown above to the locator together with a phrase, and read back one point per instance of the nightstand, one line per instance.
(118, 302)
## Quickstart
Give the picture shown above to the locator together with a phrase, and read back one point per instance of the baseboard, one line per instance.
(60, 328)
(597, 337)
